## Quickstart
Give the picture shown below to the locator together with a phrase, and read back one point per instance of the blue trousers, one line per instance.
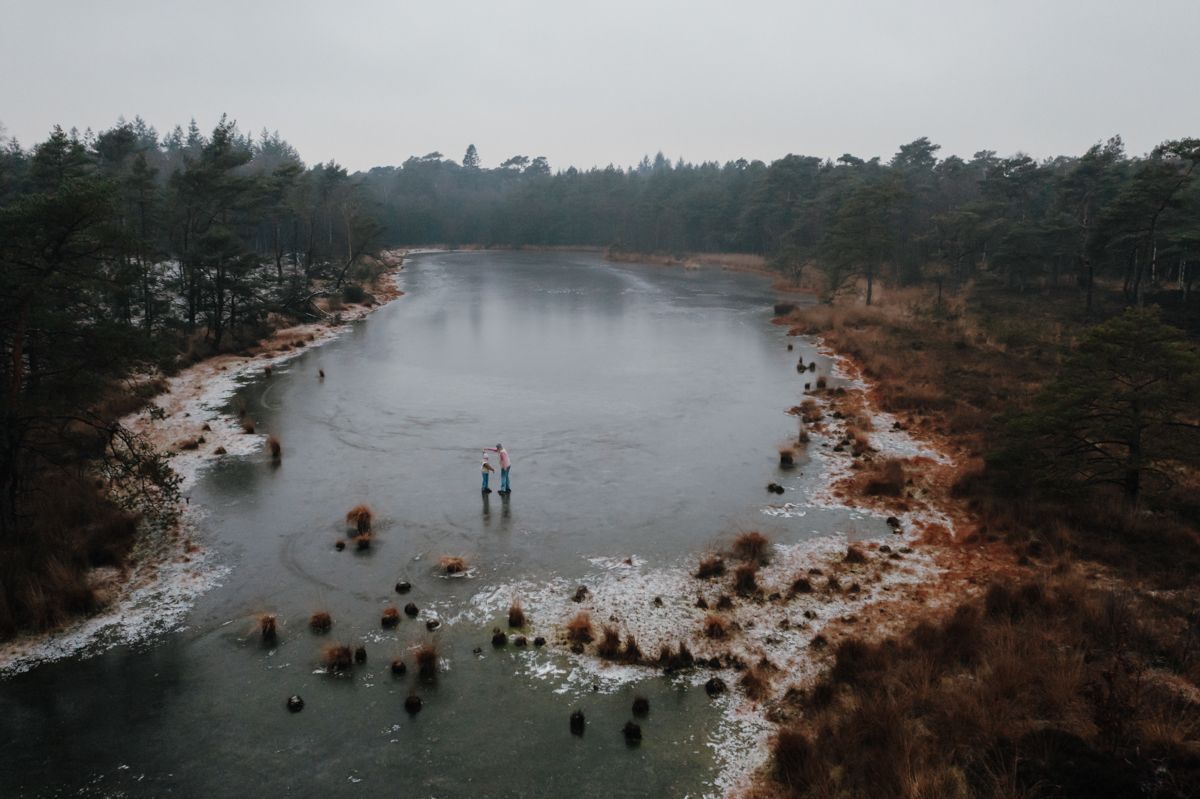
(504, 479)
(485, 477)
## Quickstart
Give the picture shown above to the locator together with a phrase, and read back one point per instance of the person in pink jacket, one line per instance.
(487, 470)
(505, 465)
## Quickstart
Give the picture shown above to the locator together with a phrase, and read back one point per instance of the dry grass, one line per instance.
(391, 617)
(275, 448)
(579, 628)
(337, 657)
(756, 683)
(609, 646)
(715, 626)
(802, 585)
(787, 457)
(752, 547)
(44, 573)
(677, 659)
(452, 564)
(516, 615)
(633, 652)
(711, 566)
(247, 423)
(267, 629)
(362, 541)
(745, 579)
(360, 518)
(1041, 683)
(854, 554)
(127, 397)
(320, 621)
(427, 660)
(885, 479)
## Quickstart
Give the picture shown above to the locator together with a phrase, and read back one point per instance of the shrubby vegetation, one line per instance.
(1075, 674)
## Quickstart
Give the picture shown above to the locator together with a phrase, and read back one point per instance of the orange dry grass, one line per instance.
(360, 518)
(751, 546)
(610, 643)
(427, 660)
(338, 657)
(579, 628)
(711, 566)
(452, 564)
(715, 627)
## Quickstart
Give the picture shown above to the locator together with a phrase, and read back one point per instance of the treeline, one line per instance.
(917, 217)
(119, 252)
(123, 250)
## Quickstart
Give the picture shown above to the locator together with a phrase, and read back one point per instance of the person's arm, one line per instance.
(490, 449)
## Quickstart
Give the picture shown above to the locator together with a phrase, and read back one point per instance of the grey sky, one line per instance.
(370, 83)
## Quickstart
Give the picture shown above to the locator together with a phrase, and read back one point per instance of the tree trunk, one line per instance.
(10, 474)
(1133, 463)
(870, 283)
(1091, 281)
(278, 248)
(17, 382)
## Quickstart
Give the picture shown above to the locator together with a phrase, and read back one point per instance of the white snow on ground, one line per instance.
(624, 595)
(154, 601)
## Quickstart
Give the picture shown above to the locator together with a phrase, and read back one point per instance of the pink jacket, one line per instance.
(505, 462)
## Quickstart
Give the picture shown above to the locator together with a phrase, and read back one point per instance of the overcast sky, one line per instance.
(373, 82)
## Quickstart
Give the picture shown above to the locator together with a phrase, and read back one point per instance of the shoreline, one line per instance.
(168, 570)
(726, 262)
(808, 597)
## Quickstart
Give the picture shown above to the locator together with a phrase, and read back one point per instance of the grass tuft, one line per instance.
(579, 628)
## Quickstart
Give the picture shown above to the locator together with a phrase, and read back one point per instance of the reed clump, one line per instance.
(579, 628)
(885, 479)
(745, 579)
(338, 657)
(452, 564)
(710, 566)
(427, 660)
(360, 518)
(751, 547)
(609, 646)
(267, 628)
(715, 627)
